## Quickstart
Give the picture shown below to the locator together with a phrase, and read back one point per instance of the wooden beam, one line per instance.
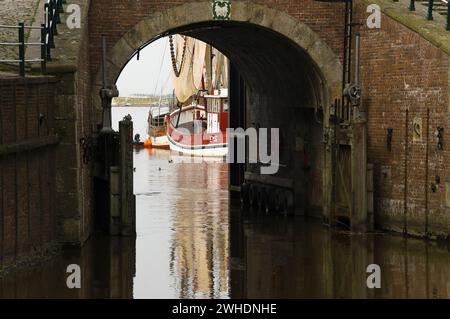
(270, 180)
(28, 145)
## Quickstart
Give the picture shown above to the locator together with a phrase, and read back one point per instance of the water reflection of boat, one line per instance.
(198, 126)
(199, 246)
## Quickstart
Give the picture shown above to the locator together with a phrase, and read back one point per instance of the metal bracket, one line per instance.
(440, 136)
(87, 145)
(390, 132)
(353, 92)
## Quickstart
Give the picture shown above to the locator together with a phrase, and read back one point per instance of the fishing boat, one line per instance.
(198, 130)
(157, 128)
(198, 125)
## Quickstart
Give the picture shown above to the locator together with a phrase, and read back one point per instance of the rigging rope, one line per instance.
(160, 67)
(166, 82)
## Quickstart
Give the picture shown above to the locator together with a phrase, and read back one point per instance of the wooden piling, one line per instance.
(359, 220)
(127, 198)
(115, 201)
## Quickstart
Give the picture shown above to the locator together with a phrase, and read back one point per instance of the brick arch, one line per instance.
(158, 24)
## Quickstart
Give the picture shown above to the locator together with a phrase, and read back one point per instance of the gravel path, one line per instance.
(11, 13)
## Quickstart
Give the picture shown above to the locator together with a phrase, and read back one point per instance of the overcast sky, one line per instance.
(150, 73)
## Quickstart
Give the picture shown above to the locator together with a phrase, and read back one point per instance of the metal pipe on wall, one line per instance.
(405, 205)
(426, 171)
(104, 61)
(357, 58)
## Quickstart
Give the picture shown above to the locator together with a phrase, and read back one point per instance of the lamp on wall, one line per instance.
(347, 86)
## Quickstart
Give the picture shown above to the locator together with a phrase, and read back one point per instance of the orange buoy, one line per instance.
(148, 143)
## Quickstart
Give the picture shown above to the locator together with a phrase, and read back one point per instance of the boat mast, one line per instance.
(159, 106)
(211, 68)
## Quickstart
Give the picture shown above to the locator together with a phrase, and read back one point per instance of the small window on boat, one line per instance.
(225, 106)
(213, 105)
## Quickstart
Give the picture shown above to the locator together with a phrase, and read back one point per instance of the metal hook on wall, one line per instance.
(390, 132)
(440, 137)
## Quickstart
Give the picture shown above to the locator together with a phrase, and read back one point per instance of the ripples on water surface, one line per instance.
(182, 245)
(191, 245)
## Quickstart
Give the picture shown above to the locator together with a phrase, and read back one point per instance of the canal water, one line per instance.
(192, 243)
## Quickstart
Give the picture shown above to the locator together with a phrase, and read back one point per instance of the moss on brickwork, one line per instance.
(34, 17)
(433, 31)
(448, 110)
(38, 257)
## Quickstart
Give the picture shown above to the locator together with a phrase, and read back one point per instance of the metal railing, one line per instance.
(441, 6)
(22, 47)
(447, 25)
(52, 11)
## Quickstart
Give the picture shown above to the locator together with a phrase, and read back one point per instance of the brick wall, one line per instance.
(75, 119)
(402, 72)
(86, 126)
(27, 183)
(114, 18)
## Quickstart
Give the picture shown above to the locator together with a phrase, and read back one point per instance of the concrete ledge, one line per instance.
(14, 79)
(61, 68)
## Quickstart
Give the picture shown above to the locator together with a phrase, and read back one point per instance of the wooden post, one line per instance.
(370, 197)
(115, 201)
(236, 120)
(329, 129)
(359, 220)
(127, 198)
